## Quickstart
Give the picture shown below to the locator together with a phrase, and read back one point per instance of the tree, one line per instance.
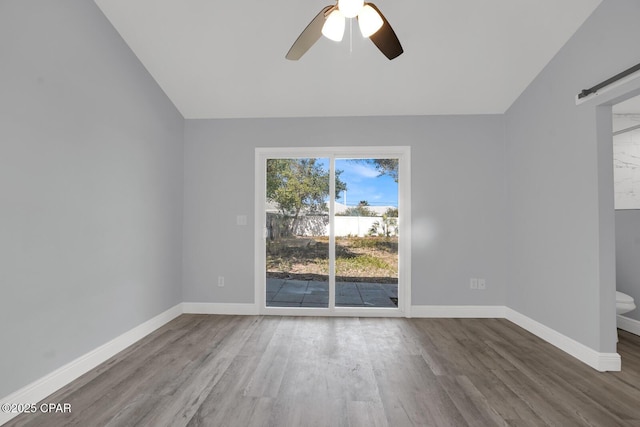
(387, 167)
(386, 227)
(391, 213)
(299, 185)
(360, 210)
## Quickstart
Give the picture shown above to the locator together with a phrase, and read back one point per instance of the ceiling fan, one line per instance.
(330, 22)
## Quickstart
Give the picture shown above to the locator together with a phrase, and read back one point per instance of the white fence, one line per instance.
(354, 225)
(318, 225)
(344, 225)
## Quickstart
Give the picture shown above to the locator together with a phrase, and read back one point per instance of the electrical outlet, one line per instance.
(241, 220)
(473, 283)
(221, 281)
(482, 284)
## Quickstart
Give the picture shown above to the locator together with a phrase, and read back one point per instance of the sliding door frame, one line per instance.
(403, 154)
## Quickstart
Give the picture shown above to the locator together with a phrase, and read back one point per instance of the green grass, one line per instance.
(370, 257)
(380, 243)
(356, 263)
(362, 262)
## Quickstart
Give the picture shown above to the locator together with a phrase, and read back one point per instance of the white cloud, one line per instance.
(364, 171)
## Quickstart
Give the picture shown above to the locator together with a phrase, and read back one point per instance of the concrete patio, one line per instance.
(309, 293)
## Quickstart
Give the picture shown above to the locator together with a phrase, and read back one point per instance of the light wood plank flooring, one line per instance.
(201, 370)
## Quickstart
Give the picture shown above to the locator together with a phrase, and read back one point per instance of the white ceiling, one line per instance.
(223, 59)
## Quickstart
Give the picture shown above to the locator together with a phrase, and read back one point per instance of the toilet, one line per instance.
(624, 303)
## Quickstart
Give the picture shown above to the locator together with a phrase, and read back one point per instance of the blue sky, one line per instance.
(363, 183)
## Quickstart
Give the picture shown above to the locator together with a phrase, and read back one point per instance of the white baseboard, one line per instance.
(39, 389)
(599, 361)
(458, 311)
(219, 308)
(628, 324)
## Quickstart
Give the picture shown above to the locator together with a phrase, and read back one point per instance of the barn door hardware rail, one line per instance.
(620, 76)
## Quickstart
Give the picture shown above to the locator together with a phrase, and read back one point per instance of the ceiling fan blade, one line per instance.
(309, 36)
(385, 38)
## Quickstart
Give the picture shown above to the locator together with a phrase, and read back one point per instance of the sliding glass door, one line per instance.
(331, 230)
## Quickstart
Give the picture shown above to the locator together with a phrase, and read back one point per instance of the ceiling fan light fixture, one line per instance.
(350, 8)
(333, 27)
(330, 22)
(369, 21)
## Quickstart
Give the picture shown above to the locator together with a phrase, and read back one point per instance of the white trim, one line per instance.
(404, 220)
(628, 324)
(332, 231)
(459, 311)
(598, 361)
(355, 152)
(260, 230)
(219, 308)
(337, 312)
(43, 387)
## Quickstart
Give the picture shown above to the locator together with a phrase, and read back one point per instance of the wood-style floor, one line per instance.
(201, 370)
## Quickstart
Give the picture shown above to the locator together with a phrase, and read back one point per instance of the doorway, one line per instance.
(626, 161)
(333, 231)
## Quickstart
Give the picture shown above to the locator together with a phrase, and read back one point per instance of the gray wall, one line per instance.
(90, 185)
(561, 245)
(458, 199)
(628, 256)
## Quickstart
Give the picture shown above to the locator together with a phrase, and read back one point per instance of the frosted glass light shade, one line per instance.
(369, 21)
(350, 8)
(333, 27)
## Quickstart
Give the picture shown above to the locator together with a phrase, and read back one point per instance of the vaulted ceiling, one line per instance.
(224, 59)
